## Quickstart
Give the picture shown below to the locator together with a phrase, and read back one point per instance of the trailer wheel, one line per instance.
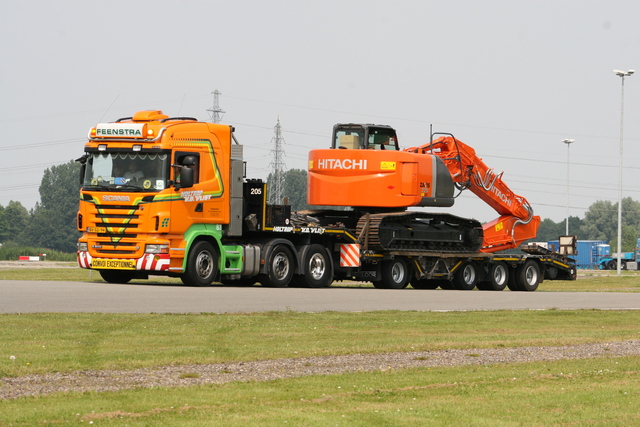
(466, 277)
(279, 268)
(395, 275)
(528, 276)
(202, 265)
(425, 283)
(512, 283)
(498, 278)
(551, 273)
(445, 284)
(317, 267)
(117, 276)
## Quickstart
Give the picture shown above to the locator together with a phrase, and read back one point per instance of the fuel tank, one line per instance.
(378, 178)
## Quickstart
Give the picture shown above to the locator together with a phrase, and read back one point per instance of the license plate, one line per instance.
(96, 229)
(113, 264)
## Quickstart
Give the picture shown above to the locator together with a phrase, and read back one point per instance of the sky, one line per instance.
(512, 79)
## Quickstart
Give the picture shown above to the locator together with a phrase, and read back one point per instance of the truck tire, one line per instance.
(612, 265)
(202, 265)
(498, 278)
(117, 276)
(279, 267)
(466, 277)
(528, 276)
(395, 275)
(317, 269)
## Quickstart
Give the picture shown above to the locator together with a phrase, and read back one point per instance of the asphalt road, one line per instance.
(56, 296)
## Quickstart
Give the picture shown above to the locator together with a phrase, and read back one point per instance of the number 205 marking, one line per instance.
(256, 191)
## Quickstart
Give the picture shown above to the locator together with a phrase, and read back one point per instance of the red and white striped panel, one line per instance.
(84, 259)
(350, 255)
(153, 262)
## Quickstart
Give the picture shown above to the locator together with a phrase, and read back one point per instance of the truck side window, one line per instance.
(188, 159)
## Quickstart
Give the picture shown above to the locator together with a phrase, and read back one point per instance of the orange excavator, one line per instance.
(365, 164)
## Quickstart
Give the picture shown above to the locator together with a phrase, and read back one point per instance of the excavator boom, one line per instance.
(516, 223)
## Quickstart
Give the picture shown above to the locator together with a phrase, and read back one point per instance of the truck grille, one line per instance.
(121, 225)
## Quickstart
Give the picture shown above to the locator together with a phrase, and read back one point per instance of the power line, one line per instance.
(41, 144)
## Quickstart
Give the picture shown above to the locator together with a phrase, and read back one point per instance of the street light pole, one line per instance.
(568, 142)
(622, 74)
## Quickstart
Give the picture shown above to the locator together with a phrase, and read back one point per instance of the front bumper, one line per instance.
(148, 262)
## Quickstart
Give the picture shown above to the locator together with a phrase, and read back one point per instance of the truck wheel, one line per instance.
(528, 276)
(424, 283)
(117, 276)
(202, 265)
(279, 268)
(466, 277)
(612, 265)
(498, 278)
(395, 275)
(317, 265)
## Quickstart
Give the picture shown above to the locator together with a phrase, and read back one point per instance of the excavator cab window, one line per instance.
(349, 138)
(373, 137)
(382, 139)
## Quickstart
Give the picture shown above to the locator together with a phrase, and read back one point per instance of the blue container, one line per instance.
(589, 252)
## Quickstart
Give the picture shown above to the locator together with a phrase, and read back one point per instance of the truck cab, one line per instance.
(152, 187)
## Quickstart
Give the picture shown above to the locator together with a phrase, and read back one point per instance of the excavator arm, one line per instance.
(516, 222)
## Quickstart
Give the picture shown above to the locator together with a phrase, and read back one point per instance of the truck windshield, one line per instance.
(127, 171)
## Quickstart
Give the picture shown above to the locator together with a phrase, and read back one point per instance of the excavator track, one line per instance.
(418, 231)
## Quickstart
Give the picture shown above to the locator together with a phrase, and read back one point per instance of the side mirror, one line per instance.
(83, 167)
(186, 177)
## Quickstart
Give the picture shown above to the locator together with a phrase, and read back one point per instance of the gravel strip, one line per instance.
(265, 370)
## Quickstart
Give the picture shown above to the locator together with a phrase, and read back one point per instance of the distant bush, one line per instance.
(12, 251)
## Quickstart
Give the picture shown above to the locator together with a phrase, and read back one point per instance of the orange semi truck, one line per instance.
(168, 196)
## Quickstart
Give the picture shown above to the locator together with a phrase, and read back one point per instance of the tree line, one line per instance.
(52, 222)
(600, 222)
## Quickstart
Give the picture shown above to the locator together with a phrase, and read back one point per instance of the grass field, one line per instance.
(564, 392)
(598, 391)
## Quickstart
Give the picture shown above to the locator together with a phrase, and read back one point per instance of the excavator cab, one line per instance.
(365, 167)
(367, 137)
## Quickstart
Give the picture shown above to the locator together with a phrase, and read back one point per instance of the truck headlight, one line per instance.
(157, 249)
(83, 247)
